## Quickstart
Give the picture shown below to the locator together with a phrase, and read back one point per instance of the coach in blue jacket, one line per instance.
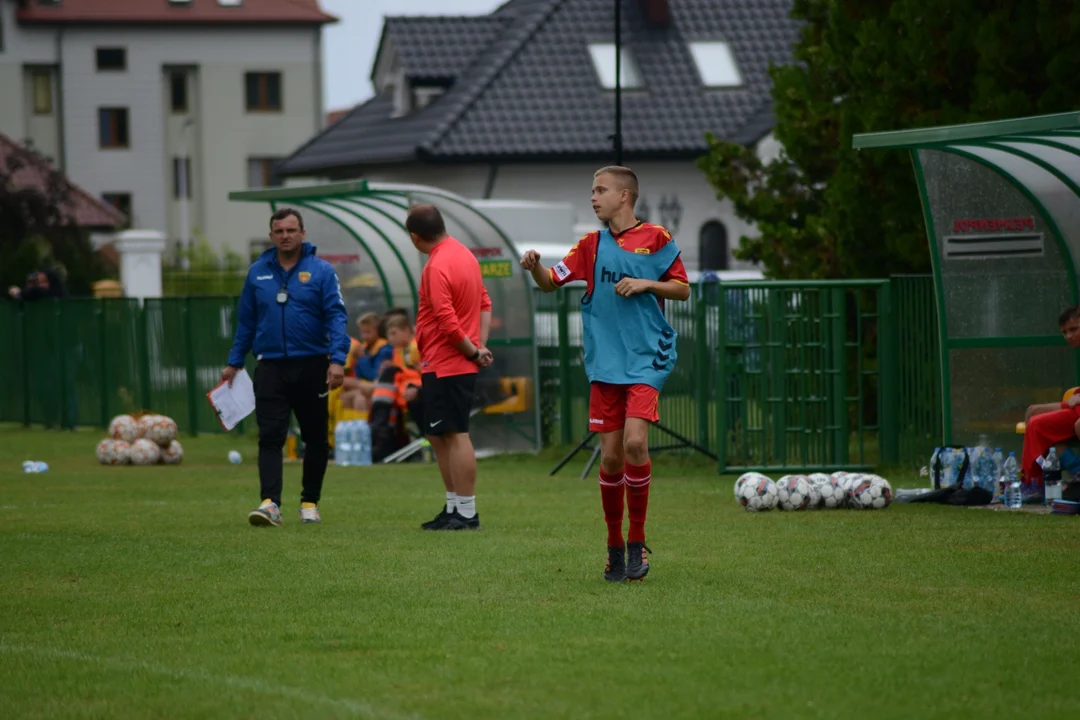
(292, 316)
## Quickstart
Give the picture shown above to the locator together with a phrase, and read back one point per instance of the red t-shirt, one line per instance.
(452, 296)
(580, 262)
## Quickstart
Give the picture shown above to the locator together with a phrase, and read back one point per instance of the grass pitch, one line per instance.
(143, 592)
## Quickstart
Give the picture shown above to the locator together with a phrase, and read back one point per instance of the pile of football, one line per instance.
(147, 440)
(757, 493)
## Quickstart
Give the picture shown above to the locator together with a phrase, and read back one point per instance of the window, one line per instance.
(603, 57)
(120, 201)
(261, 173)
(713, 246)
(263, 91)
(716, 64)
(111, 59)
(178, 91)
(113, 127)
(41, 81)
(181, 177)
(230, 3)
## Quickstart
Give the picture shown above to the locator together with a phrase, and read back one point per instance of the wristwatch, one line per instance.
(475, 356)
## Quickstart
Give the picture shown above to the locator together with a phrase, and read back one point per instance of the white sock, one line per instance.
(466, 506)
(451, 501)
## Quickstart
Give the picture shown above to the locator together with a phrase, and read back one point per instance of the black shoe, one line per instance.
(438, 521)
(456, 522)
(637, 560)
(615, 570)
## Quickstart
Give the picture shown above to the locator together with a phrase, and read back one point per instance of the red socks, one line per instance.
(637, 499)
(611, 494)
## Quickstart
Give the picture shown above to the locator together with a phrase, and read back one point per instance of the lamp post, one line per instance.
(617, 137)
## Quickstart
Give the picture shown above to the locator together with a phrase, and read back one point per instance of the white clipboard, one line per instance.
(233, 403)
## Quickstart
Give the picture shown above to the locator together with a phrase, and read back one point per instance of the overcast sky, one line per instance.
(349, 46)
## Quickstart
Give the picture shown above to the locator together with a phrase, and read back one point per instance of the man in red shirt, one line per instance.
(452, 324)
(630, 267)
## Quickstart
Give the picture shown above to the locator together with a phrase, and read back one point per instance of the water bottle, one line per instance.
(933, 464)
(354, 442)
(950, 466)
(996, 461)
(363, 449)
(34, 466)
(1010, 483)
(342, 445)
(1052, 477)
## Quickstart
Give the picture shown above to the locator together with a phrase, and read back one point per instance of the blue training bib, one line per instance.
(628, 341)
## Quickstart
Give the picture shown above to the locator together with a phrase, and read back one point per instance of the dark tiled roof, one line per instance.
(163, 11)
(29, 170)
(530, 92)
(439, 47)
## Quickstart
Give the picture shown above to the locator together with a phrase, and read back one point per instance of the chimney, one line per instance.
(657, 12)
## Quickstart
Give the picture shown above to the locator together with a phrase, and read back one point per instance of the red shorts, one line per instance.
(610, 405)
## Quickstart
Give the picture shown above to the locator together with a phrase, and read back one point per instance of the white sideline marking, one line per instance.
(255, 684)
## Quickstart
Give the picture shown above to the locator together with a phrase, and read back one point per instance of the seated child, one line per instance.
(397, 390)
(366, 358)
(1052, 423)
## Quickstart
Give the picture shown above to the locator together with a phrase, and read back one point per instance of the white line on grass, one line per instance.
(255, 684)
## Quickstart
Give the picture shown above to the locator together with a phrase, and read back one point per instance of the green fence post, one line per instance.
(887, 377)
(103, 344)
(192, 372)
(776, 409)
(563, 306)
(144, 353)
(61, 361)
(721, 379)
(701, 366)
(838, 390)
(25, 366)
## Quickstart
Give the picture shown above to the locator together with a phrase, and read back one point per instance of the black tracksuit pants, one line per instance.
(292, 385)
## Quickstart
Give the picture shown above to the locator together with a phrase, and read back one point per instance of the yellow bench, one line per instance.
(519, 390)
(1021, 427)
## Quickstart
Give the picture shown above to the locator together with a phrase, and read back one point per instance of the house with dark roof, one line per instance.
(162, 107)
(520, 104)
(23, 168)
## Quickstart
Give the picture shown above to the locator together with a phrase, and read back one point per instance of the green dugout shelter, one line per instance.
(1001, 201)
(359, 228)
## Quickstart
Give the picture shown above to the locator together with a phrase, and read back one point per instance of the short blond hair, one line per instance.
(398, 322)
(369, 319)
(624, 176)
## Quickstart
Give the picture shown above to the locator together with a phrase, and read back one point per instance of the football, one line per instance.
(758, 494)
(172, 455)
(832, 493)
(145, 452)
(124, 427)
(744, 478)
(113, 452)
(793, 492)
(847, 483)
(158, 428)
(872, 492)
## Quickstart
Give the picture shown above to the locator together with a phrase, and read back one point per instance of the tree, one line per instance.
(38, 231)
(823, 210)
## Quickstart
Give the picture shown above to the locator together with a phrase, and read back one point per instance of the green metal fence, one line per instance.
(804, 374)
(80, 362)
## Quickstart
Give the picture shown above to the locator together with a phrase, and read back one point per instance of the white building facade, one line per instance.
(162, 114)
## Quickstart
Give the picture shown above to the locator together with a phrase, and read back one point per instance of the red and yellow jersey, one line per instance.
(350, 359)
(644, 238)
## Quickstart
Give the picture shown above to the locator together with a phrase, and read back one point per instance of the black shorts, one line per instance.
(447, 402)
